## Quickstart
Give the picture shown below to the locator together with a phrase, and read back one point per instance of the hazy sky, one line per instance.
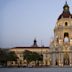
(23, 20)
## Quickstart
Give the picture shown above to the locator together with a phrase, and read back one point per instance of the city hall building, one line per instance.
(59, 53)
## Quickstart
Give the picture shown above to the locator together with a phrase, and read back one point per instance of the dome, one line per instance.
(66, 13)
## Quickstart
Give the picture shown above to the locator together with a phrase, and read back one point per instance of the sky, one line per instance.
(21, 21)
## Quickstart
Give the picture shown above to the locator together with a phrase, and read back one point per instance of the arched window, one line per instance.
(66, 37)
(66, 34)
(66, 23)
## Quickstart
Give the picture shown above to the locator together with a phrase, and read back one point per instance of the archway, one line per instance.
(56, 62)
(66, 34)
(66, 59)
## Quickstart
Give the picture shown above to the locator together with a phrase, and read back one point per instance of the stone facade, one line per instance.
(34, 48)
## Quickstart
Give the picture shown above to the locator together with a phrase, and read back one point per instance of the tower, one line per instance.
(35, 43)
(63, 28)
(62, 43)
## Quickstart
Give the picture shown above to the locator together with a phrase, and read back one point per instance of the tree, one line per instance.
(37, 57)
(3, 57)
(32, 56)
(40, 58)
(27, 56)
(11, 56)
(7, 56)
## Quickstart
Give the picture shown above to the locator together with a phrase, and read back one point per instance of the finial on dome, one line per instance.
(66, 7)
(66, 3)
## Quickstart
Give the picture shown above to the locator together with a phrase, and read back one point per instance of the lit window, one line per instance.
(66, 39)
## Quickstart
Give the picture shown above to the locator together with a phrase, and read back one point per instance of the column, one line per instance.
(70, 58)
(61, 59)
(59, 55)
(53, 59)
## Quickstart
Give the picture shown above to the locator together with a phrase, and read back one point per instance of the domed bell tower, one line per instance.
(61, 46)
(63, 28)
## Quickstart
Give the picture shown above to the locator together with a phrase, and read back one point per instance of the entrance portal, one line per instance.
(56, 62)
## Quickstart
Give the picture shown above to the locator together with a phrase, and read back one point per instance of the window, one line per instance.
(66, 34)
(66, 23)
(66, 37)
